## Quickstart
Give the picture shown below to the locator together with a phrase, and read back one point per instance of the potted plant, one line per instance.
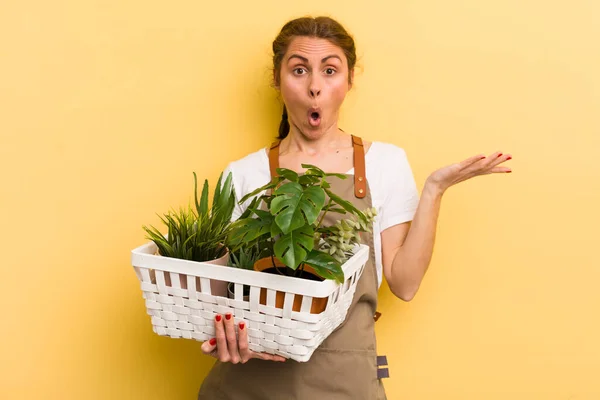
(198, 233)
(286, 224)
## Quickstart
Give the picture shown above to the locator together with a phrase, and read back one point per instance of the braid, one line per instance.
(284, 125)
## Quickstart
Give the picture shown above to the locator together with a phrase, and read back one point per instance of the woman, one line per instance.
(314, 61)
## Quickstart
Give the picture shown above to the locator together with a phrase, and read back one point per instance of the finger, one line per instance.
(232, 342)
(497, 170)
(268, 357)
(244, 351)
(494, 158)
(497, 160)
(222, 349)
(209, 347)
(470, 161)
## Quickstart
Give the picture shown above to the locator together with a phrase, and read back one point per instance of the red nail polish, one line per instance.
(218, 318)
(213, 341)
(227, 317)
(500, 155)
(242, 325)
(509, 158)
(508, 172)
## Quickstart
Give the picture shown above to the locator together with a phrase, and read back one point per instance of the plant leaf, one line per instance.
(313, 170)
(341, 176)
(308, 180)
(293, 203)
(247, 230)
(203, 206)
(274, 182)
(346, 205)
(292, 248)
(335, 209)
(287, 174)
(325, 265)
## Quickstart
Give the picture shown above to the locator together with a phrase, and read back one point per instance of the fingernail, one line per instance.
(212, 341)
(509, 158)
(218, 318)
(227, 317)
(508, 172)
(242, 325)
(500, 155)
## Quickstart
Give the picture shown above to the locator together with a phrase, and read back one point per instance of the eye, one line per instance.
(298, 69)
(330, 71)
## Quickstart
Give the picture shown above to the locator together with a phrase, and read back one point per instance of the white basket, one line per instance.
(189, 313)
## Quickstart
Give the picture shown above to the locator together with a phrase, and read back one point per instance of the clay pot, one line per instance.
(266, 265)
(217, 288)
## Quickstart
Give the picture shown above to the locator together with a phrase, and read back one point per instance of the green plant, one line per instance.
(198, 233)
(246, 257)
(287, 222)
(345, 234)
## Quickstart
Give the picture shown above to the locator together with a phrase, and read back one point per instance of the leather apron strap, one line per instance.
(360, 181)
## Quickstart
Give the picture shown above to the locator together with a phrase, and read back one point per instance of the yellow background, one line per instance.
(107, 107)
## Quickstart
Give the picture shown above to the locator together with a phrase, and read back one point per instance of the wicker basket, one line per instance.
(188, 312)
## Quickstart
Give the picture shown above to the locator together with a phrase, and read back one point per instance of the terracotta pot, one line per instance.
(217, 288)
(266, 265)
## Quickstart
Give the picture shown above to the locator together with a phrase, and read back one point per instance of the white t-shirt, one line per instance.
(393, 188)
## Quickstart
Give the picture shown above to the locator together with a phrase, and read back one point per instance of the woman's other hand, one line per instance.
(474, 166)
(226, 347)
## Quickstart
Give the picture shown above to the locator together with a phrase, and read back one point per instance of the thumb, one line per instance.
(209, 346)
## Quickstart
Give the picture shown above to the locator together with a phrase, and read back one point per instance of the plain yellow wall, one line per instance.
(107, 107)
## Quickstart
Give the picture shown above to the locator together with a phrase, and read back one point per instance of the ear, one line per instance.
(351, 79)
(276, 82)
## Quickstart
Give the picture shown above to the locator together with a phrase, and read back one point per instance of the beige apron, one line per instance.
(344, 366)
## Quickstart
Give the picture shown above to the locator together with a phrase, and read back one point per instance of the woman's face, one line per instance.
(313, 84)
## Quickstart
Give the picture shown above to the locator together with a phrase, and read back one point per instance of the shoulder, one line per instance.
(251, 161)
(382, 155)
(249, 172)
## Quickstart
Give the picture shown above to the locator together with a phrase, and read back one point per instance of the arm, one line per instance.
(407, 248)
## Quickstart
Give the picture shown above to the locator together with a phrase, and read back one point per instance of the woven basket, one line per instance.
(189, 312)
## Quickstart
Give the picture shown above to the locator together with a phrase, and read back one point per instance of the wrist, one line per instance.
(433, 189)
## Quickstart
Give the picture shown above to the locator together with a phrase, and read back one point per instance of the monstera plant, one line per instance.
(284, 222)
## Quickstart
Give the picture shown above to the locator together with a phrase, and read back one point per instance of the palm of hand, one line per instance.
(478, 165)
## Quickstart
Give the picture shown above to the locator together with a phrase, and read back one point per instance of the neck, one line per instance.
(298, 142)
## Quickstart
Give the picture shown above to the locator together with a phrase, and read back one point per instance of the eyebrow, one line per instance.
(306, 59)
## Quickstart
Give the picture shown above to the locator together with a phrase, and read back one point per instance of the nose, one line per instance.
(314, 88)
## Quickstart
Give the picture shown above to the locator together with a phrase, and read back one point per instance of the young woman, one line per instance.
(313, 69)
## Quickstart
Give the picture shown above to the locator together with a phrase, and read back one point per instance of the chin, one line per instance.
(314, 133)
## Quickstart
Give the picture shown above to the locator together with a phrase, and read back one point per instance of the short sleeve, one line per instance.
(401, 197)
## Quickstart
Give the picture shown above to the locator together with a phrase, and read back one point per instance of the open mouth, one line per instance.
(314, 117)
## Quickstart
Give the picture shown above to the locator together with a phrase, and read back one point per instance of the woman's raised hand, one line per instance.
(474, 166)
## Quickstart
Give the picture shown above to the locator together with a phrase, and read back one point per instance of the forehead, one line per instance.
(310, 47)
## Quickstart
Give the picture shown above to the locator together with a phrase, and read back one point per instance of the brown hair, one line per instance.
(319, 27)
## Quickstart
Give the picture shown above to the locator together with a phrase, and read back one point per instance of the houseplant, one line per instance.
(187, 308)
(198, 233)
(286, 222)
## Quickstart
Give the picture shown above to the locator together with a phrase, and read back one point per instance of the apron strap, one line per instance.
(360, 181)
(274, 158)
